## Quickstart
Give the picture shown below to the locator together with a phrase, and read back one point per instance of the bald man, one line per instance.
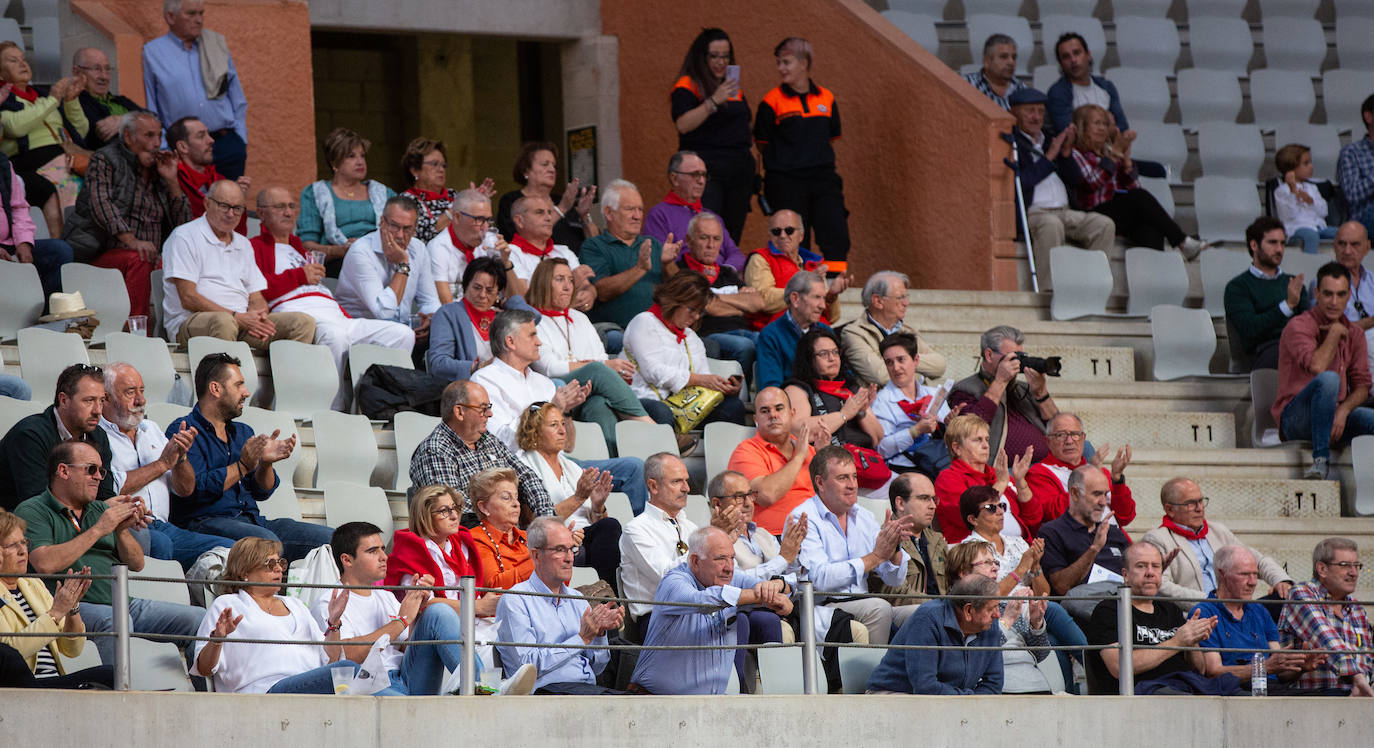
(1351, 245)
(212, 284)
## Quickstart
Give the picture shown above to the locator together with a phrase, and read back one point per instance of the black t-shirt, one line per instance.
(725, 129)
(727, 276)
(1150, 628)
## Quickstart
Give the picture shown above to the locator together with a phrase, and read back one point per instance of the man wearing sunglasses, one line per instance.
(1328, 620)
(69, 528)
(74, 414)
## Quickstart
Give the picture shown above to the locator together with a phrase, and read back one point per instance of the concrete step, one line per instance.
(1080, 362)
(1251, 498)
(1161, 431)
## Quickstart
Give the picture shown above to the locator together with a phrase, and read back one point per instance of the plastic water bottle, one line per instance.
(1259, 679)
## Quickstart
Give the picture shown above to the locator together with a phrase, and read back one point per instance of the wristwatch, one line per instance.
(403, 268)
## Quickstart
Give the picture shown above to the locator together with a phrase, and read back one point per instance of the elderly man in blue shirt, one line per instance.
(551, 620)
(709, 579)
(957, 624)
(844, 542)
(228, 469)
(188, 72)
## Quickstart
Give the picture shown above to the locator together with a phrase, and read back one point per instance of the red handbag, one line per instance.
(873, 470)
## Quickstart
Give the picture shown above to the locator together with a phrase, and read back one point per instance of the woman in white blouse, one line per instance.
(571, 350)
(244, 612)
(668, 354)
(542, 437)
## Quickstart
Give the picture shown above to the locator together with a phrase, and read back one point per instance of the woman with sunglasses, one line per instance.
(821, 389)
(966, 436)
(984, 510)
(425, 166)
(258, 612)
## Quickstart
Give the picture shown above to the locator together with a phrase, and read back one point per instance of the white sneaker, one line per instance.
(1192, 247)
(520, 684)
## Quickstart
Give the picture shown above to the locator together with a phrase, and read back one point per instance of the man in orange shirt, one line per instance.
(776, 459)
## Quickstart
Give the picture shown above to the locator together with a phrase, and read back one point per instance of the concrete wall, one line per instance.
(924, 181)
(177, 720)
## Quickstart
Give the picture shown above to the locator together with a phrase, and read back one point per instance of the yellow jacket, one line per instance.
(13, 620)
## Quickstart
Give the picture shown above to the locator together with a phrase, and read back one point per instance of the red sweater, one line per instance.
(1048, 480)
(410, 556)
(951, 483)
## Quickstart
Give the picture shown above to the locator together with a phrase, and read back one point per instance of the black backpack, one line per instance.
(384, 391)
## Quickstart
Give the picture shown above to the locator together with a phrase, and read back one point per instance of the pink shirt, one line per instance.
(1299, 341)
(22, 230)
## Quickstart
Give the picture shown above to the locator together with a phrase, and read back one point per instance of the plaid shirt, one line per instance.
(981, 83)
(153, 206)
(1099, 179)
(1314, 626)
(1355, 169)
(443, 459)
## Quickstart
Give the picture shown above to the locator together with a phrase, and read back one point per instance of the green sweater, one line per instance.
(1252, 308)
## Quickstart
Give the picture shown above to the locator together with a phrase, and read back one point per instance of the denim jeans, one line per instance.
(145, 617)
(1310, 414)
(627, 476)
(297, 538)
(12, 386)
(422, 668)
(1063, 632)
(318, 680)
(738, 345)
(183, 546)
(49, 255)
(1312, 238)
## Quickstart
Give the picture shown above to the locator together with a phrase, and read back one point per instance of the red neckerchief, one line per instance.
(834, 387)
(556, 313)
(1052, 461)
(465, 249)
(480, 320)
(1173, 526)
(528, 247)
(710, 271)
(657, 311)
(198, 181)
(914, 410)
(426, 195)
(29, 94)
(988, 473)
(672, 199)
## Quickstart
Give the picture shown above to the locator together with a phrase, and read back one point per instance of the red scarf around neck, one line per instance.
(29, 94)
(528, 247)
(914, 410)
(427, 196)
(556, 313)
(465, 249)
(834, 387)
(672, 199)
(657, 311)
(710, 271)
(1173, 526)
(480, 320)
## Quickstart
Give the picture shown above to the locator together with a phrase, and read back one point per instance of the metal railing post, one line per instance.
(119, 609)
(808, 636)
(467, 596)
(1125, 637)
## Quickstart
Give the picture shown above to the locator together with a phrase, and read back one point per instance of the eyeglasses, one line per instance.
(988, 562)
(780, 230)
(445, 511)
(483, 408)
(1064, 436)
(479, 220)
(1191, 503)
(16, 545)
(280, 206)
(559, 550)
(993, 508)
(930, 497)
(1356, 565)
(92, 469)
(274, 563)
(826, 353)
(714, 56)
(739, 497)
(692, 174)
(96, 68)
(234, 210)
(435, 164)
(399, 228)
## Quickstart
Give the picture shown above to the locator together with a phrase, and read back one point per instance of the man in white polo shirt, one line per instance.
(534, 219)
(452, 249)
(385, 274)
(212, 284)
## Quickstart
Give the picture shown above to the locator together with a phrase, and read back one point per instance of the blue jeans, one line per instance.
(1063, 632)
(318, 680)
(12, 386)
(145, 617)
(422, 668)
(49, 255)
(738, 345)
(1311, 238)
(297, 538)
(627, 476)
(170, 542)
(1310, 414)
(1365, 215)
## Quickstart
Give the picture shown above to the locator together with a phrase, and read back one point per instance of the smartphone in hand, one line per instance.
(732, 73)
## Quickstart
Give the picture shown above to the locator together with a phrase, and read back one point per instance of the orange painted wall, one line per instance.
(924, 180)
(270, 41)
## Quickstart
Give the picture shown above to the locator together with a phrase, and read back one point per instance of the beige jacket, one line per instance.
(1183, 578)
(860, 339)
(13, 620)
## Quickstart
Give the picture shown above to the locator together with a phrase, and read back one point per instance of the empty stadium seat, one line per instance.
(411, 428)
(1054, 26)
(1228, 46)
(618, 506)
(1277, 9)
(150, 356)
(363, 355)
(1295, 44)
(698, 510)
(920, 28)
(1148, 8)
(164, 591)
(1343, 90)
(780, 670)
(1208, 96)
(40, 224)
(1362, 454)
(1348, 9)
(856, 665)
(1324, 140)
(1184, 341)
(21, 297)
(590, 443)
(1044, 76)
(201, 346)
(639, 439)
(1230, 150)
(982, 25)
(282, 503)
(935, 8)
(156, 666)
(1144, 94)
(1163, 143)
(1163, 193)
(1297, 263)
(1082, 282)
(304, 378)
(1064, 8)
(1264, 389)
(350, 502)
(1215, 8)
(9, 32)
(43, 354)
(1225, 206)
(103, 290)
(1154, 278)
(13, 411)
(1281, 96)
(1352, 42)
(992, 7)
(163, 414)
(1218, 267)
(345, 447)
(47, 48)
(157, 323)
(1146, 43)
(720, 440)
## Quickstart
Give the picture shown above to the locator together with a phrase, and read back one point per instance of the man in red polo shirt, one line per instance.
(1049, 478)
(776, 459)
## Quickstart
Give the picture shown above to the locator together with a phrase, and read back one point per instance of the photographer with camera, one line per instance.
(1017, 412)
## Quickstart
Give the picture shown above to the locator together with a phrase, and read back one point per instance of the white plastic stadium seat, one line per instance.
(1144, 94)
(304, 378)
(345, 447)
(43, 354)
(1184, 341)
(1044, 76)
(163, 414)
(411, 428)
(1163, 193)
(21, 297)
(350, 502)
(363, 355)
(934, 8)
(156, 666)
(40, 224)
(1082, 282)
(1296, 44)
(780, 670)
(156, 324)
(1147, 43)
(1280, 96)
(1215, 8)
(1218, 267)
(1225, 206)
(282, 503)
(1324, 140)
(856, 665)
(1228, 44)
(1348, 9)
(164, 591)
(1230, 150)
(698, 510)
(1154, 278)
(1362, 454)
(1264, 430)
(590, 443)
(103, 290)
(201, 346)
(1276, 9)
(642, 440)
(1149, 8)
(1164, 143)
(1208, 96)
(1352, 43)
(9, 32)
(618, 506)
(1066, 8)
(150, 356)
(995, 7)
(47, 48)
(920, 28)
(1054, 26)
(13, 411)
(982, 25)
(1343, 91)
(720, 440)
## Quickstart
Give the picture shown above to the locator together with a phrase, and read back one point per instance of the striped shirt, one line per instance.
(45, 665)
